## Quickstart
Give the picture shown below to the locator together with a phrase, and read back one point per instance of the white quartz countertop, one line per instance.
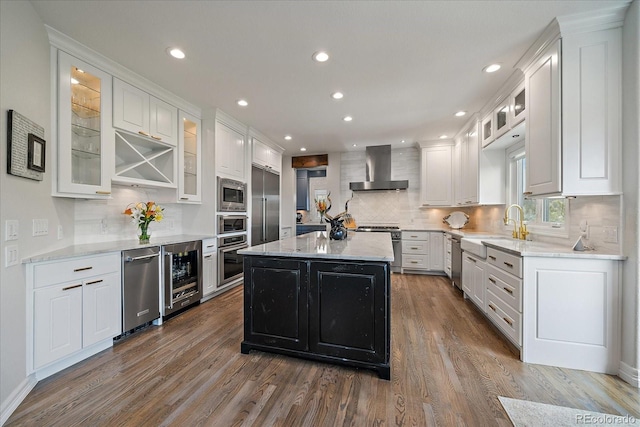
(357, 246)
(547, 250)
(105, 247)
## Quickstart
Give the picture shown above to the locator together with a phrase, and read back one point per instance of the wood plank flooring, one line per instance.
(448, 368)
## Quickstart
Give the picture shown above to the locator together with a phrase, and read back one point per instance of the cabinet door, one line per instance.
(478, 284)
(459, 173)
(230, 155)
(163, 121)
(275, 161)
(190, 159)
(349, 310)
(517, 105)
(467, 275)
(487, 130)
(591, 104)
(436, 251)
(101, 309)
(437, 177)
(275, 302)
(84, 122)
(472, 164)
(57, 323)
(260, 153)
(302, 190)
(208, 273)
(130, 108)
(542, 140)
(501, 119)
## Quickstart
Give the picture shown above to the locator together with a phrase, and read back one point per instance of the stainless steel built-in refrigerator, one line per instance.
(265, 206)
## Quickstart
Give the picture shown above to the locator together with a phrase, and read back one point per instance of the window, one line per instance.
(542, 216)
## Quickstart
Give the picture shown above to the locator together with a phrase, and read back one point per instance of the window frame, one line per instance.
(512, 154)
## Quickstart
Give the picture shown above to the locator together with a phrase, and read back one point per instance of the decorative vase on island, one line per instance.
(338, 231)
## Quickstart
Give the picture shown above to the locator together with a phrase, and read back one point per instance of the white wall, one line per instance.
(24, 87)
(631, 183)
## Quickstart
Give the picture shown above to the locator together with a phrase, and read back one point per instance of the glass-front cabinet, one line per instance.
(84, 123)
(190, 158)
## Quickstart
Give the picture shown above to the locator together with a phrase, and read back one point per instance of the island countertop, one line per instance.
(357, 246)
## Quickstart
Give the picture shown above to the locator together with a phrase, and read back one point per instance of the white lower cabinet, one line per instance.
(572, 313)
(423, 251)
(473, 278)
(447, 255)
(74, 310)
(209, 267)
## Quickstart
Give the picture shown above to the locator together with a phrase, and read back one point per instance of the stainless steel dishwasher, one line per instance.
(140, 287)
(456, 262)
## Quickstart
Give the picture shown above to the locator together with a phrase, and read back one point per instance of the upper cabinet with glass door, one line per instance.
(84, 125)
(517, 105)
(190, 159)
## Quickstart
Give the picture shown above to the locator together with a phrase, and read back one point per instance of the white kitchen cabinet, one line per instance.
(436, 175)
(517, 105)
(136, 111)
(473, 278)
(572, 313)
(447, 254)
(230, 152)
(266, 157)
(209, 267)
(74, 310)
(487, 130)
(573, 108)
(189, 159)
(144, 162)
(83, 166)
(503, 286)
(501, 122)
(436, 252)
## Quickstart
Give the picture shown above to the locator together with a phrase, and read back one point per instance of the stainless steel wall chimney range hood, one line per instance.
(379, 171)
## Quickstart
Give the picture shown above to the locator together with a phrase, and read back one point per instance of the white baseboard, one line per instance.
(16, 397)
(629, 374)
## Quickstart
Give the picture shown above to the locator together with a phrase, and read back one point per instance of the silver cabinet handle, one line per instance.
(75, 270)
(131, 259)
(471, 259)
(72, 287)
(492, 257)
(507, 290)
(94, 282)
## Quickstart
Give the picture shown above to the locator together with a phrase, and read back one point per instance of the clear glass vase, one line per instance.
(144, 235)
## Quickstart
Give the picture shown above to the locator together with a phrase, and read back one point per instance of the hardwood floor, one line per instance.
(448, 368)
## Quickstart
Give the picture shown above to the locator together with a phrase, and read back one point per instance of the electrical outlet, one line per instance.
(11, 256)
(40, 227)
(60, 233)
(610, 234)
(11, 229)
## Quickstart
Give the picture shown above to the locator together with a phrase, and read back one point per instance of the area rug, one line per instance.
(532, 414)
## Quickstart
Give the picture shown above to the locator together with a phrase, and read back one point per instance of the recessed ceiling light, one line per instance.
(337, 95)
(355, 145)
(347, 118)
(242, 102)
(303, 149)
(74, 81)
(491, 68)
(287, 137)
(175, 52)
(321, 56)
(460, 113)
(402, 142)
(443, 137)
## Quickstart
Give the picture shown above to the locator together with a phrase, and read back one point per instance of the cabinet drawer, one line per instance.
(508, 288)
(505, 317)
(417, 247)
(415, 261)
(74, 269)
(415, 235)
(505, 261)
(208, 245)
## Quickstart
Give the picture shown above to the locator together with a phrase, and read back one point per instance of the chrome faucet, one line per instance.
(522, 232)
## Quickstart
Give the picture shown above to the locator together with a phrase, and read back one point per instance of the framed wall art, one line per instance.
(25, 147)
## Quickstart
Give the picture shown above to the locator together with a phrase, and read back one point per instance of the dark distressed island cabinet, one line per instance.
(319, 309)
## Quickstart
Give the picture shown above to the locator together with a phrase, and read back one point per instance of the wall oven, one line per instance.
(231, 224)
(182, 276)
(230, 267)
(232, 195)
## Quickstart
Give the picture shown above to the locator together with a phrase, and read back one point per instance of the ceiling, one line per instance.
(405, 67)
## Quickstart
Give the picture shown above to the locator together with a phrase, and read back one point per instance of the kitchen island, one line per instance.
(321, 299)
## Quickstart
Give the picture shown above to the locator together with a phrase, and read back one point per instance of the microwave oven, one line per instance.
(232, 195)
